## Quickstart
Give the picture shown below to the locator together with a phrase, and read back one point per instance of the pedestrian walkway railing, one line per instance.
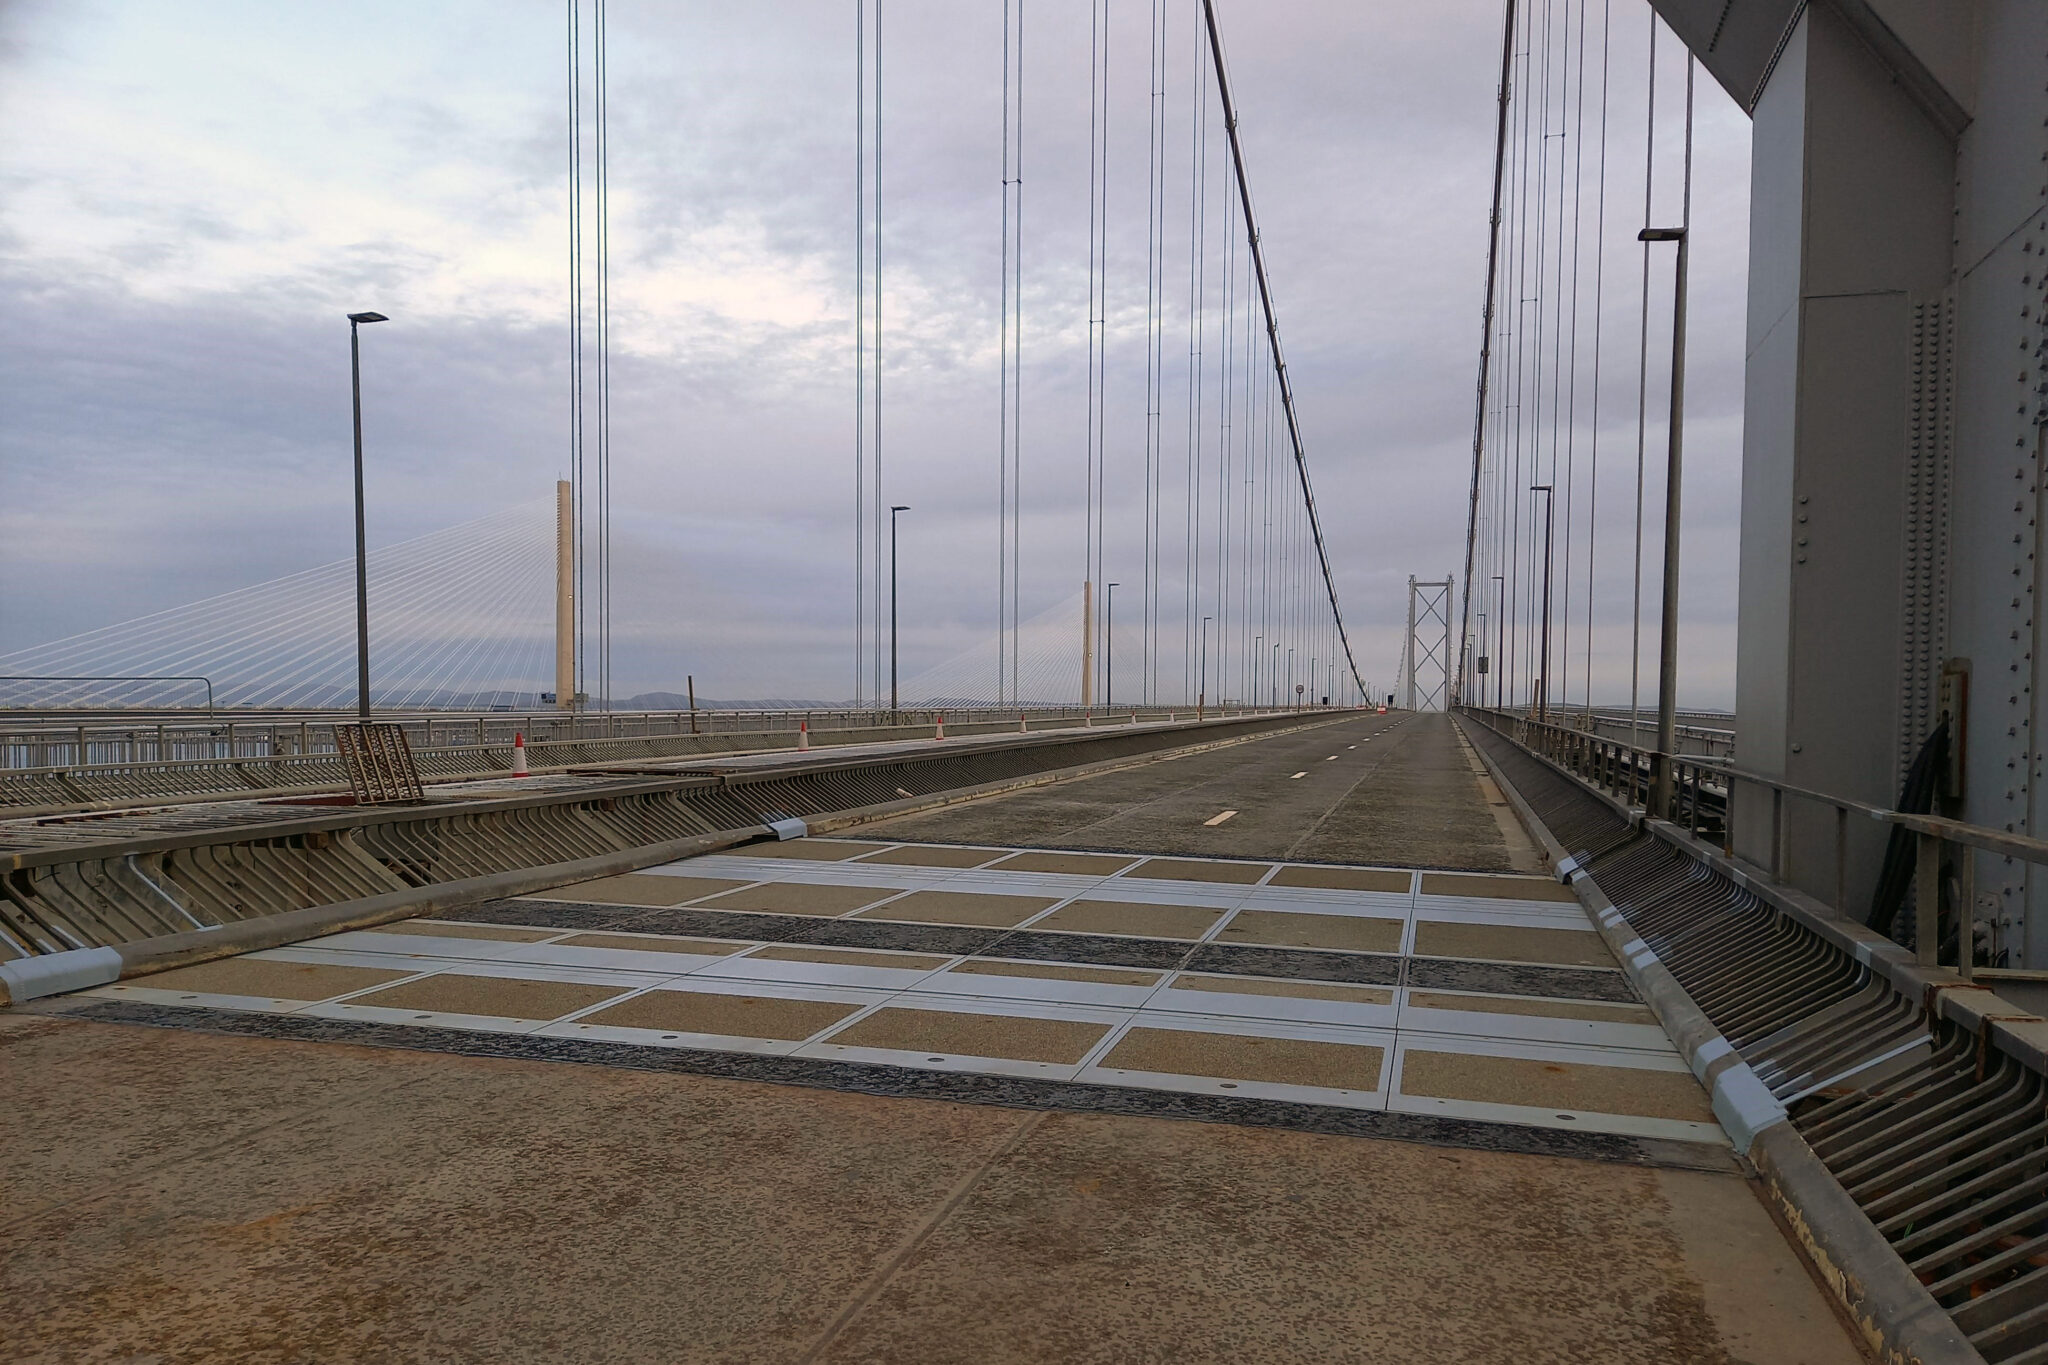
(1943, 863)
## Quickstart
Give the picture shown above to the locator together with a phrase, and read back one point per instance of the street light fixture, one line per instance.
(1543, 671)
(892, 606)
(1109, 649)
(355, 375)
(1662, 789)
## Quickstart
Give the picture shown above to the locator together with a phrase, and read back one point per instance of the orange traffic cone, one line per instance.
(803, 735)
(942, 728)
(519, 768)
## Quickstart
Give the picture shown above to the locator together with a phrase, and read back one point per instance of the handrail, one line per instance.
(1603, 763)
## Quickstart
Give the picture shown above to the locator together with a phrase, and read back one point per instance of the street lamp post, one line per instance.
(1500, 643)
(1543, 659)
(1202, 675)
(355, 377)
(1258, 654)
(1290, 678)
(1484, 665)
(1276, 675)
(1109, 649)
(1662, 788)
(892, 606)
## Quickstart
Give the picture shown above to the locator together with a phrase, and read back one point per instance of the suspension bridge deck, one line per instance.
(925, 1093)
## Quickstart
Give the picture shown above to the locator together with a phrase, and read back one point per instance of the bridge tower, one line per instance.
(1892, 451)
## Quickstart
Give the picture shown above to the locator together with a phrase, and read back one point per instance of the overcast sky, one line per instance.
(193, 194)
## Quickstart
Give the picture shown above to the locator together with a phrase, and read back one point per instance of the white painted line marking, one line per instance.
(1299, 774)
(1219, 819)
(1331, 759)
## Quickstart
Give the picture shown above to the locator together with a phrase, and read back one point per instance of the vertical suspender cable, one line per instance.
(1198, 229)
(860, 342)
(1571, 411)
(1500, 153)
(1155, 111)
(1511, 501)
(1017, 382)
(881, 489)
(576, 321)
(1599, 296)
(1227, 327)
(1003, 400)
(604, 371)
(1635, 647)
(1251, 233)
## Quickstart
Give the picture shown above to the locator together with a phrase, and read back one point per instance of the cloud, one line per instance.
(205, 192)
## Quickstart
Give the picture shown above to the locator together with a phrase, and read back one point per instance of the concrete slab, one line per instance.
(640, 888)
(1051, 971)
(1199, 870)
(1497, 888)
(1071, 864)
(1131, 917)
(1555, 1085)
(739, 1016)
(503, 997)
(1299, 929)
(1545, 1009)
(799, 898)
(961, 907)
(976, 1035)
(1344, 878)
(933, 856)
(1506, 943)
(847, 957)
(1280, 1061)
(270, 979)
(652, 943)
(1298, 990)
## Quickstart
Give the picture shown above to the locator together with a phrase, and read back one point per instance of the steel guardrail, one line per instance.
(103, 786)
(92, 882)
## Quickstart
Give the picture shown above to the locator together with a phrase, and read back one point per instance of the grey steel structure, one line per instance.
(1894, 410)
(1429, 607)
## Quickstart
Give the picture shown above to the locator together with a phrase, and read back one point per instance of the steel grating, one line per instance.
(1936, 1134)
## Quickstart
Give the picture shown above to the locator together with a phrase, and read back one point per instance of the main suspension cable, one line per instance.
(1251, 232)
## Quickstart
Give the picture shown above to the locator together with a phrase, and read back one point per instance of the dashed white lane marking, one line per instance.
(1299, 774)
(1331, 759)
(1219, 819)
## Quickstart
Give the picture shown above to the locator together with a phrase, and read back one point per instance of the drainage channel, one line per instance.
(96, 884)
(1895, 1113)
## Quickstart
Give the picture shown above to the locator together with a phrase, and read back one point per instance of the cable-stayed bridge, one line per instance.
(1122, 980)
